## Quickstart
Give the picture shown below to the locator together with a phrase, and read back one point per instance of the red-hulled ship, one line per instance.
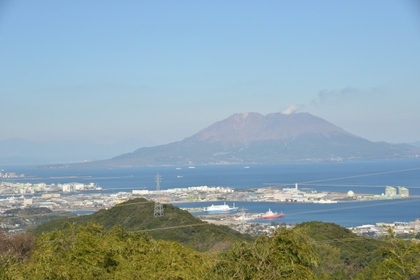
(272, 215)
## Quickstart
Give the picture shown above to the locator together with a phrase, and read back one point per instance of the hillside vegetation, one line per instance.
(92, 252)
(341, 252)
(138, 215)
(128, 242)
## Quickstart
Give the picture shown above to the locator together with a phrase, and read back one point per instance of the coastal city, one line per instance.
(79, 198)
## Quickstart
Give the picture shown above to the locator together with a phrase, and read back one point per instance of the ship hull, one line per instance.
(325, 201)
(221, 211)
(272, 217)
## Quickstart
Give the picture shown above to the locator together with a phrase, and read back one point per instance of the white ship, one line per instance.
(221, 208)
(323, 201)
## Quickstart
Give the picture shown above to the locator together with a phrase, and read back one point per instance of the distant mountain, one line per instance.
(254, 138)
(415, 144)
(19, 151)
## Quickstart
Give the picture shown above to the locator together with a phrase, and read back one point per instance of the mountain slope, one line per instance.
(244, 129)
(254, 138)
(138, 215)
(415, 144)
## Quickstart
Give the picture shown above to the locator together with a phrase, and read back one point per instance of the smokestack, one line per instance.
(296, 187)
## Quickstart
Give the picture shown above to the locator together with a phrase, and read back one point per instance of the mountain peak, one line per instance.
(242, 129)
(245, 115)
(255, 138)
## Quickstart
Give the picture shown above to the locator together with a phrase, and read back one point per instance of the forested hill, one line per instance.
(137, 215)
(311, 250)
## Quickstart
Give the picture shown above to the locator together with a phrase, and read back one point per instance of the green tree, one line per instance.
(330, 265)
(399, 259)
(342, 254)
(91, 252)
(286, 255)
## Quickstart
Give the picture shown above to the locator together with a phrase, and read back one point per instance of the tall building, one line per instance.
(390, 191)
(403, 191)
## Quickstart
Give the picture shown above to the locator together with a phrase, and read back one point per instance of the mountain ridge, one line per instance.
(254, 127)
(138, 215)
(253, 138)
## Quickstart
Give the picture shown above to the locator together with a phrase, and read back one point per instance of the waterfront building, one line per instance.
(140, 192)
(390, 191)
(68, 188)
(282, 196)
(79, 186)
(403, 192)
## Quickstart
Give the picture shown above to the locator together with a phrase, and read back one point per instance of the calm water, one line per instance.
(361, 177)
(345, 214)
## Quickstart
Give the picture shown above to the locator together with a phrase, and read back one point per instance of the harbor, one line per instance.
(344, 197)
(247, 216)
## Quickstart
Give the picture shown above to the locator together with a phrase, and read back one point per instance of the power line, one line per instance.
(387, 202)
(341, 178)
(354, 207)
(289, 214)
(172, 227)
(362, 175)
(354, 186)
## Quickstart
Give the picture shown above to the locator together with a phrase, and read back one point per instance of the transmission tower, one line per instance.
(158, 179)
(158, 210)
(242, 217)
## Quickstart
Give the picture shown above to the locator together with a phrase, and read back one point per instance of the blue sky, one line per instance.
(156, 72)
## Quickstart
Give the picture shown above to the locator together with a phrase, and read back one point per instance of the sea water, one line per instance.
(362, 177)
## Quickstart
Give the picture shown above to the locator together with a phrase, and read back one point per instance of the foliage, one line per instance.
(286, 255)
(309, 251)
(112, 244)
(342, 254)
(91, 252)
(137, 215)
(400, 259)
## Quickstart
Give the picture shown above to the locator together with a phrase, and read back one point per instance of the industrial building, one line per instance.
(390, 191)
(403, 192)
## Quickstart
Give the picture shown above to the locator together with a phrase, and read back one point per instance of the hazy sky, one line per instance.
(159, 71)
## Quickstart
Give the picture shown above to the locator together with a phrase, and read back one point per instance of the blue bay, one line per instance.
(368, 177)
